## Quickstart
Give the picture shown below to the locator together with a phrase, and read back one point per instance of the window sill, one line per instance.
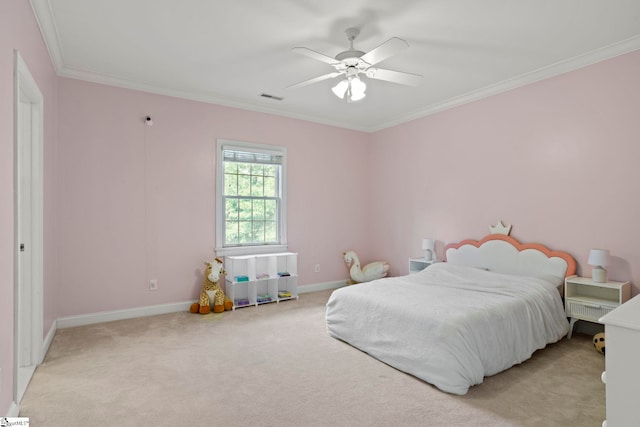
(250, 250)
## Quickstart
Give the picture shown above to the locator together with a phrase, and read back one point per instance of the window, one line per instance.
(250, 198)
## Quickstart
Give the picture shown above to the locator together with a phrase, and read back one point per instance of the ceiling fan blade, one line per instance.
(315, 55)
(385, 50)
(314, 80)
(394, 76)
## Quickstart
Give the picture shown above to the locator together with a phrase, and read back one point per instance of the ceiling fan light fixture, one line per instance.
(353, 63)
(358, 88)
(341, 88)
(353, 88)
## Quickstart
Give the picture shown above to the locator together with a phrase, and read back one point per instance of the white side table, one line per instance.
(622, 327)
(418, 264)
(587, 300)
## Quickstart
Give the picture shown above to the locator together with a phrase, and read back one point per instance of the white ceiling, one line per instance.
(230, 52)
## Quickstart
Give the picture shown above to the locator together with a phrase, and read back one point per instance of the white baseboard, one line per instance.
(321, 286)
(14, 410)
(110, 316)
(48, 339)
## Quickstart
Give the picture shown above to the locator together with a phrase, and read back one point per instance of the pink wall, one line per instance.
(558, 159)
(137, 203)
(19, 30)
(125, 203)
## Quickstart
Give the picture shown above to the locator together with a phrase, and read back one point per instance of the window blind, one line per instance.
(251, 157)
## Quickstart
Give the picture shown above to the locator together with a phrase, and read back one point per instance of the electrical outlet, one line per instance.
(153, 284)
(317, 269)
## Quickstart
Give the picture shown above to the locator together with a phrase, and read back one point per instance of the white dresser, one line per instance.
(622, 329)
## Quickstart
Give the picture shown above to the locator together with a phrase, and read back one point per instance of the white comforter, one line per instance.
(449, 325)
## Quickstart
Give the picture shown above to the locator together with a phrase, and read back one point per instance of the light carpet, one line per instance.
(275, 365)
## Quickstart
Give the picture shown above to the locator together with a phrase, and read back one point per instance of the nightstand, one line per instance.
(587, 300)
(418, 264)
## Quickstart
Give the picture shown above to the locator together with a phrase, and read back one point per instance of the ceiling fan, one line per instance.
(352, 63)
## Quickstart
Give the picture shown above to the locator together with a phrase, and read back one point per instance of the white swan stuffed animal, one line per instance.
(371, 271)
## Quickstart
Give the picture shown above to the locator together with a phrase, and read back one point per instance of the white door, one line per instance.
(23, 187)
(28, 238)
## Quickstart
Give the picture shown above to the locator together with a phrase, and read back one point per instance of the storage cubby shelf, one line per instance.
(252, 280)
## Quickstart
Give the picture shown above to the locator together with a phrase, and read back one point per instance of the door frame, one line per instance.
(29, 298)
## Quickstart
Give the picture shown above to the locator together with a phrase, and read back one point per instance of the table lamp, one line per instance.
(429, 247)
(598, 258)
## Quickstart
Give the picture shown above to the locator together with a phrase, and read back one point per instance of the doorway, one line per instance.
(28, 226)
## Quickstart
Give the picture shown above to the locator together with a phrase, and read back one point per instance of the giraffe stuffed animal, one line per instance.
(211, 291)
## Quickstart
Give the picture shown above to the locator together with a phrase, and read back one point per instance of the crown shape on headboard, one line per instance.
(500, 228)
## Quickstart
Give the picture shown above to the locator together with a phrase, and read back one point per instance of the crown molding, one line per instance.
(193, 96)
(44, 16)
(553, 70)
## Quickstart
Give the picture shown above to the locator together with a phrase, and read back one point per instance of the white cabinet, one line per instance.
(622, 332)
(419, 264)
(261, 279)
(588, 300)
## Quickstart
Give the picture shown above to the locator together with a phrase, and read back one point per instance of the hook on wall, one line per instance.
(148, 121)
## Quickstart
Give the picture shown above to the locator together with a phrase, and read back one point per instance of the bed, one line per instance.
(490, 306)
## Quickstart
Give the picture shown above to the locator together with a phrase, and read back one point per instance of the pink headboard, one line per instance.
(504, 254)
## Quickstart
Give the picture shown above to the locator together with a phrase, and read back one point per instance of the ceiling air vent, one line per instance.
(276, 98)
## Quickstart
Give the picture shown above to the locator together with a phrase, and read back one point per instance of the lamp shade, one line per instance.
(429, 247)
(598, 257)
(358, 87)
(341, 88)
(351, 87)
(428, 244)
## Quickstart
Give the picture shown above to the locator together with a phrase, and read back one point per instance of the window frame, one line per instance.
(221, 249)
